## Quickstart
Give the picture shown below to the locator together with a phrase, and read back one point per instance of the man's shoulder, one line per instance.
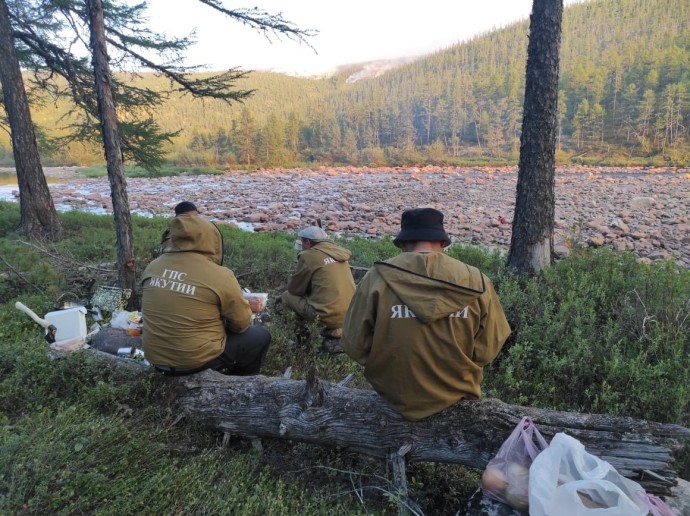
(333, 250)
(438, 266)
(441, 258)
(308, 255)
(454, 262)
(475, 278)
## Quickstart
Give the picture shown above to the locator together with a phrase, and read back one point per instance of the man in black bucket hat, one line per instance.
(422, 225)
(424, 324)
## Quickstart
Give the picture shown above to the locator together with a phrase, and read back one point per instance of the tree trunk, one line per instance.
(38, 219)
(531, 244)
(469, 433)
(126, 262)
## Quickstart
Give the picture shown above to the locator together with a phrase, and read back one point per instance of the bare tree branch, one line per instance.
(215, 87)
(264, 22)
(19, 274)
(65, 260)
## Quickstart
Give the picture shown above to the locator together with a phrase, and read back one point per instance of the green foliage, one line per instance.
(260, 261)
(294, 343)
(71, 442)
(24, 270)
(490, 261)
(366, 251)
(74, 461)
(9, 218)
(617, 330)
(597, 332)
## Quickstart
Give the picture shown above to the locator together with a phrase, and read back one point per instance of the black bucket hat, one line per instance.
(185, 207)
(421, 224)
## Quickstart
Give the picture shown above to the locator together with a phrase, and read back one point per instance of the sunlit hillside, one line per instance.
(624, 98)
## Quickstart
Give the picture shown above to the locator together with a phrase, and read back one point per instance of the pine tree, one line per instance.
(38, 217)
(122, 110)
(531, 242)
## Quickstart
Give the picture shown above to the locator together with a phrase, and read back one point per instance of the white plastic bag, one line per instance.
(125, 320)
(565, 479)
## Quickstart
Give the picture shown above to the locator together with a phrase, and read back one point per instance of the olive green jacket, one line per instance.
(323, 276)
(424, 325)
(187, 297)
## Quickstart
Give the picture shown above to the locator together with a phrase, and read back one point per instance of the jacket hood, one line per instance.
(198, 235)
(339, 254)
(431, 284)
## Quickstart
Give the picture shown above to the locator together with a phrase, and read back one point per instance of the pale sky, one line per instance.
(350, 31)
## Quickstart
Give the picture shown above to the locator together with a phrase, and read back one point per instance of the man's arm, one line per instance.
(300, 280)
(494, 327)
(360, 320)
(233, 306)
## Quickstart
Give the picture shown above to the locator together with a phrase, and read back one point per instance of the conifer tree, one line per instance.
(122, 110)
(38, 217)
(531, 243)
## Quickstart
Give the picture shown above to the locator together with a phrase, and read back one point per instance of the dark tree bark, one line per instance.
(39, 218)
(126, 262)
(531, 245)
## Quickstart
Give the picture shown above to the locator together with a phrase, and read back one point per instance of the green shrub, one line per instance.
(9, 218)
(75, 461)
(599, 332)
(260, 261)
(366, 251)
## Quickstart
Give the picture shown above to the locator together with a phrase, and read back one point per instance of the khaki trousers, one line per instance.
(300, 306)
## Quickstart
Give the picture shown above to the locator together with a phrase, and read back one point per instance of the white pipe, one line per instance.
(28, 311)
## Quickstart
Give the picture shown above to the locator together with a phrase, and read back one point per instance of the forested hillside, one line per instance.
(624, 89)
(624, 98)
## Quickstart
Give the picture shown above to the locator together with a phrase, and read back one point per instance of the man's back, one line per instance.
(424, 325)
(323, 276)
(186, 295)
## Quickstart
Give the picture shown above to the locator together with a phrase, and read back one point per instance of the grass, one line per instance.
(164, 171)
(74, 439)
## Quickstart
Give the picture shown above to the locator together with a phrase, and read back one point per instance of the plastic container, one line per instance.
(257, 301)
(70, 323)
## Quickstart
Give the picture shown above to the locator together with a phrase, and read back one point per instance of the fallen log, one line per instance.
(467, 433)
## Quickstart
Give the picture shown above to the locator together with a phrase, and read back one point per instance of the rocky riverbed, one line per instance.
(640, 209)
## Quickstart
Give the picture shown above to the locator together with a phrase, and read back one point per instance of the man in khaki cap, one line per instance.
(322, 284)
(424, 324)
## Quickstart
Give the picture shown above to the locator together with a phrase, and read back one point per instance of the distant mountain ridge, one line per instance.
(370, 69)
(624, 96)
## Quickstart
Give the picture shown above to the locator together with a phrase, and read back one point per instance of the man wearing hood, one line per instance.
(322, 284)
(184, 208)
(424, 324)
(195, 315)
